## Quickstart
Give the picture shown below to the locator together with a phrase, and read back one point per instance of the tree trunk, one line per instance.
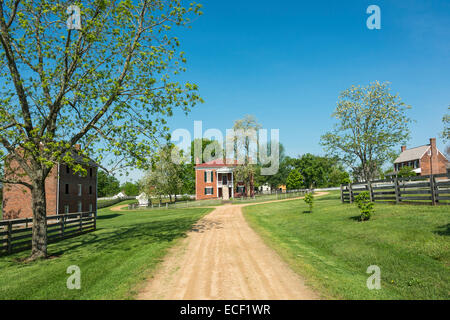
(39, 205)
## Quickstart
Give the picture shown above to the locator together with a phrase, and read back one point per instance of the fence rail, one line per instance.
(15, 234)
(432, 189)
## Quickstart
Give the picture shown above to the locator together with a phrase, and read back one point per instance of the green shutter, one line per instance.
(205, 175)
(212, 176)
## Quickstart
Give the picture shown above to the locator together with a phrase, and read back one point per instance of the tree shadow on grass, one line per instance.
(356, 218)
(127, 238)
(443, 230)
(108, 216)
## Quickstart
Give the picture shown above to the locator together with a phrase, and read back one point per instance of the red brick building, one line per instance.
(215, 180)
(66, 192)
(424, 160)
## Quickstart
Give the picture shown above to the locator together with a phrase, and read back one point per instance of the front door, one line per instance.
(224, 180)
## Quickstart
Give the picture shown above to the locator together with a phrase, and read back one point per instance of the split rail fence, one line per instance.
(15, 234)
(432, 189)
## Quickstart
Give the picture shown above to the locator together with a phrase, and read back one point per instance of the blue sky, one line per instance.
(286, 62)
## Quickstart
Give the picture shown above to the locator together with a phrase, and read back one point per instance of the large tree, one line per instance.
(106, 86)
(294, 180)
(371, 122)
(165, 178)
(245, 144)
(107, 185)
(446, 132)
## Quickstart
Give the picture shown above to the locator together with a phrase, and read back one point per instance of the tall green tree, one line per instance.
(243, 141)
(446, 133)
(131, 188)
(107, 185)
(294, 180)
(320, 172)
(166, 175)
(371, 123)
(106, 85)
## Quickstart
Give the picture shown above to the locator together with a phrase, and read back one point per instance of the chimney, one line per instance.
(197, 161)
(434, 159)
(403, 148)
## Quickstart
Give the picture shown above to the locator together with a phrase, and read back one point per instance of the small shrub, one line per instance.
(309, 199)
(365, 206)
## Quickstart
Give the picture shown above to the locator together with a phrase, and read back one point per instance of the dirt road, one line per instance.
(223, 258)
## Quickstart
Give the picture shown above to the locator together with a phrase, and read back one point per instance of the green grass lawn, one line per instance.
(114, 260)
(332, 250)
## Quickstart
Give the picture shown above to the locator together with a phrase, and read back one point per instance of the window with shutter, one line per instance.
(206, 176)
(212, 176)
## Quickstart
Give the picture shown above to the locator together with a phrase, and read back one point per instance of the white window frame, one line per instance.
(80, 206)
(80, 189)
(66, 209)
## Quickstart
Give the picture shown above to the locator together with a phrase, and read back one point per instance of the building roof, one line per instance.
(218, 163)
(412, 154)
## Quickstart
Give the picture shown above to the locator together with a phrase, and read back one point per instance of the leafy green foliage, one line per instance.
(371, 123)
(446, 121)
(166, 175)
(365, 206)
(131, 188)
(108, 87)
(319, 171)
(405, 172)
(294, 180)
(107, 185)
(309, 200)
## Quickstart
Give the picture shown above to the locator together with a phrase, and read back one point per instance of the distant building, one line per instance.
(215, 180)
(424, 160)
(265, 188)
(66, 192)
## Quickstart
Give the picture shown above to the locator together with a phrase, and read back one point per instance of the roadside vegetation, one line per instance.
(114, 260)
(332, 248)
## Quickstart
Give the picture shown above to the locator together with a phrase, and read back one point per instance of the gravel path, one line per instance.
(223, 258)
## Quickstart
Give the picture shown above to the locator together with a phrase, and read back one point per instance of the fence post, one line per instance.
(62, 225)
(342, 194)
(81, 222)
(95, 220)
(369, 187)
(397, 190)
(167, 205)
(9, 237)
(350, 193)
(433, 190)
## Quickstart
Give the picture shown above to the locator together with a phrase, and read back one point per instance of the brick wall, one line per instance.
(17, 198)
(200, 184)
(72, 197)
(439, 165)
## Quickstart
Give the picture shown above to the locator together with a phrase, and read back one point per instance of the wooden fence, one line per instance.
(433, 189)
(15, 234)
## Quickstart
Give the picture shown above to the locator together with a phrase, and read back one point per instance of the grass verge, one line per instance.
(332, 249)
(114, 260)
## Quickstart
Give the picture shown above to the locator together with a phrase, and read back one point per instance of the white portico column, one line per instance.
(217, 184)
(232, 184)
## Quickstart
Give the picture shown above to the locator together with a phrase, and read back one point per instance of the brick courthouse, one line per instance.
(66, 192)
